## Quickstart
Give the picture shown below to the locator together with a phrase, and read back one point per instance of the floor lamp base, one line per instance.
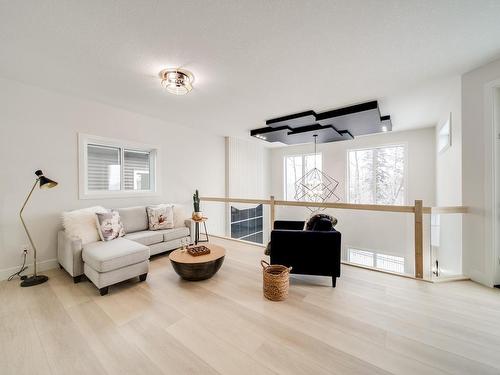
(34, 280)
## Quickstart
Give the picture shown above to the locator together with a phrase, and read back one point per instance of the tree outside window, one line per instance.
(296, 167)
(377, 175)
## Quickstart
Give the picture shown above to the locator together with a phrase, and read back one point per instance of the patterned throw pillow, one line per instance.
(160, 217)
(109, 225)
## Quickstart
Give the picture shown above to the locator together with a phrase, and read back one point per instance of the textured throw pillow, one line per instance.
(321, 222)
(160, 217)
(268, 249)
(81, 224)
(109, 225)
(179, 216)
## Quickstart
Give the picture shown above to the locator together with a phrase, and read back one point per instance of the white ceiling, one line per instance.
(253, 60)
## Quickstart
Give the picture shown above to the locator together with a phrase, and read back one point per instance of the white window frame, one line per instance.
(303, 167)
(400, 144)
(84, 193)
(375, 256)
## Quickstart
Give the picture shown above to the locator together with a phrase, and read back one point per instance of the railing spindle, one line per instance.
(419, 240)
(272, 211)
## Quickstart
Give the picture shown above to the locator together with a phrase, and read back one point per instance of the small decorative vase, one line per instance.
(197, 215)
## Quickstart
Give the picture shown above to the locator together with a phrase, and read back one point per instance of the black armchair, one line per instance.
(307, 252)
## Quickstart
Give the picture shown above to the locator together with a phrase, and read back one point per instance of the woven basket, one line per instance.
(276, 281)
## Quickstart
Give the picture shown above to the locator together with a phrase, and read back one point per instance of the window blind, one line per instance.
(103, 168)
(136, 170)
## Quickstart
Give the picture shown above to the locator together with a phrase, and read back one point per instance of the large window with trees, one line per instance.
(377, 175)
(297, 166)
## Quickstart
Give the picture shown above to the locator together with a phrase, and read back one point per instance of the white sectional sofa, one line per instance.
(109, 262)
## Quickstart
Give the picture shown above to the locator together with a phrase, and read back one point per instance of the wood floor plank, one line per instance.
(163, 349)
(225, 358)
(21, 350)
(112, 350)
(65, 348)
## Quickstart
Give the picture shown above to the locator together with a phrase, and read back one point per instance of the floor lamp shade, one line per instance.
(44, 183)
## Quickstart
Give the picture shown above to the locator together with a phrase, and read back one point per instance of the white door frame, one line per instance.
(492, 190)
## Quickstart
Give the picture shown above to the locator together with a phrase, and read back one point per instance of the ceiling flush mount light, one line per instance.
(177, 81)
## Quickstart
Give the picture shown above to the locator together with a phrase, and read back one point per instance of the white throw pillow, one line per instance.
(179, 216)
(81, 224)
(109, 225)
(160, 217)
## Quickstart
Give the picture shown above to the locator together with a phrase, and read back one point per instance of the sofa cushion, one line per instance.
(134, 219)
(175, 233)
(105, 256)
(146, 237)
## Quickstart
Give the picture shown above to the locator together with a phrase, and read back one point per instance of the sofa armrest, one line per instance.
(69, 253)
(192, 228)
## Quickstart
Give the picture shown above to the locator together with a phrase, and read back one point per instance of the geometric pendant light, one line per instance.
(316, 186)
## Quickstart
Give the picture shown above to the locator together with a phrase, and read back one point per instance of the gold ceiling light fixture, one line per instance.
(177, 81)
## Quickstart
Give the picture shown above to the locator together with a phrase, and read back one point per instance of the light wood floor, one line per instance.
(370, 324)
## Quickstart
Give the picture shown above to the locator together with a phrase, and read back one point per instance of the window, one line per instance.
(114, 168)
(246, 224)
(444, 136)
(377, 175)
(296, 167)
(377, 260)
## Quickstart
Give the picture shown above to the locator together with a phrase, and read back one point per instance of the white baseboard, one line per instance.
(42, 266)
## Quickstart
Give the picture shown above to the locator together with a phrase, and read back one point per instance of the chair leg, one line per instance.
(104, 291)
(143, 277)
(334, 281)
(77, 279)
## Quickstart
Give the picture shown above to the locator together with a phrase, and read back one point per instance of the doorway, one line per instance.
(496, 208)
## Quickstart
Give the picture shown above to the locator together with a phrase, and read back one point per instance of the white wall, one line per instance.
(390, 233)
(38, 130)
(480, 257)
(449, 162)
(247, 169)
(248, 175)
(447, 237)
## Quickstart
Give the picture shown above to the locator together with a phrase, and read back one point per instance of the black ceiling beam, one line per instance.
(329, 126)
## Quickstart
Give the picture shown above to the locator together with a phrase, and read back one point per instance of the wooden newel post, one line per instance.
(419, 240)
(273, 212)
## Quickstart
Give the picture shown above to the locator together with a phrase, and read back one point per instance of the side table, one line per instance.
(197, 230)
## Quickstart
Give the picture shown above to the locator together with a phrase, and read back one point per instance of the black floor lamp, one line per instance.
(45, 183)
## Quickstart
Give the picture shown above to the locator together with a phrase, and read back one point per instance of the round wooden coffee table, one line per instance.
(194, 268)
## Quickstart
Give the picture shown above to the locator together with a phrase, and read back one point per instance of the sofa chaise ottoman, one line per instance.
(109, 262)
